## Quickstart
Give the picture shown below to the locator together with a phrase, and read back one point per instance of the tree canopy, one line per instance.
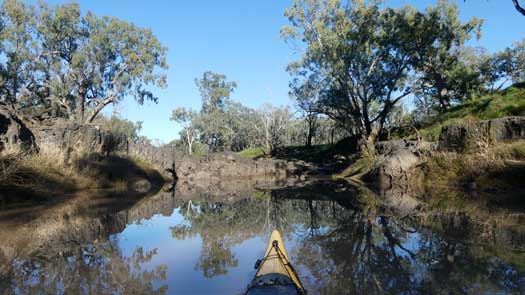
(364, 54)
(61, 63)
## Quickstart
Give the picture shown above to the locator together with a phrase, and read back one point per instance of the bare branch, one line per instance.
(518, 7)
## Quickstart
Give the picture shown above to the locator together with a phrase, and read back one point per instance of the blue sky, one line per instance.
(240, 38)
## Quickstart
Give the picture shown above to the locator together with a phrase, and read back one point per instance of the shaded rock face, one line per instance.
(395, 169)
(230, 166)
(14, 131)
(73, 137)
(506, 129)
(396, 166)
(474, 136)
(162, 157)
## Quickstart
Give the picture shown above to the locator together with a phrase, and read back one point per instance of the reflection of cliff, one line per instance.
(100, 268)
(228, 190)
(84, 219)
(344, 239)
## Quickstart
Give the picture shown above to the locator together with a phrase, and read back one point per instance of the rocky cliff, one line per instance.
(476, 135)
(72, 137)
(232, 166)
(397, 161)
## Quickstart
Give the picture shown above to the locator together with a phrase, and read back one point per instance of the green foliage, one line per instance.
(119, 125)
(215, 90)
(252, 153)
(363, 54)
(220, 121)
(223, 124)
(510, 102)
(62, 63)
(446, 71)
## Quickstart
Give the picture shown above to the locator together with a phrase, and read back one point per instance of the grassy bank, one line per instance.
(51, 172)
(500, 167)
(509, 102)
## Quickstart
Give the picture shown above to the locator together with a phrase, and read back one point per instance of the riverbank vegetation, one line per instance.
(508, 102)
(61, 65)
(365, 73)
(49, 173)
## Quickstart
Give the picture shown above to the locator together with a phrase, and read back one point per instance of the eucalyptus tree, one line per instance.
(272, 124)
(306, 91)
(20, 84)
(215, 90)
(363, 54)
(72, 65)
(188, 119)
(446, 70)
(217, 120)
(101, 60)
(507, 65)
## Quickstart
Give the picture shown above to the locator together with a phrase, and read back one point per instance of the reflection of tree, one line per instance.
(356, 257)
(224, 225)
(361, 250)
(367, 255)
(456, 267)
(96, 269)
(220, 226)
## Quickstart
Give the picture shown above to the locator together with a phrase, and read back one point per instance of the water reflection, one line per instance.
(205, 239)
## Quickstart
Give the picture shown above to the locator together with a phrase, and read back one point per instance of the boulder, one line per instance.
(14, 131)
(464, 137)
(398, 168)
(507, 129)
(473, 136)
(72, 137)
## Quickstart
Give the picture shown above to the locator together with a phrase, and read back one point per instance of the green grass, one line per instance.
(312, 154)
(509, 102)
(252, 153)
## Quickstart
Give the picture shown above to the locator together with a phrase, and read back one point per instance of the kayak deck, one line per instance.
(275, 274)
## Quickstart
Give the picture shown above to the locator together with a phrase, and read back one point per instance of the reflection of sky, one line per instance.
(181, 256)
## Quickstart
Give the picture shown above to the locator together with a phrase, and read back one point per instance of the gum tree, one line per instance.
(62, 63)
(187, 118)
(102, 60)
(363, 55)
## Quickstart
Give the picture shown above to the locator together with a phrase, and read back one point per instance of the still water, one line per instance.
(205, 240)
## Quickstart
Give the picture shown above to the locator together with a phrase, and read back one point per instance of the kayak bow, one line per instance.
(275, 274)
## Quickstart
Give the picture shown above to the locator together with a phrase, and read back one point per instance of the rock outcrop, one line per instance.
(162, 156)
(477, 135)
(396, 164)
(72, 137)
(14, 131)
(231, 166)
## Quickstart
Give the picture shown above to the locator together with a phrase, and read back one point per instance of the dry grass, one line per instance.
(52, 171)
(453, 168)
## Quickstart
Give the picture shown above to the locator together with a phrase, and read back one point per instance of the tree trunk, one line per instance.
(101, 104)
(82, 107)
(190, 142)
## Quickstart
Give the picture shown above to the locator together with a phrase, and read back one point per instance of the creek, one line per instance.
(206, 239)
